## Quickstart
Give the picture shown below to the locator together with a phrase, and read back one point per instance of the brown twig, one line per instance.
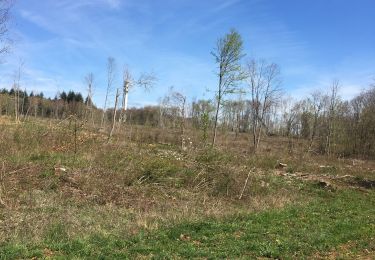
(244, 186)
(2, 187)
(18, 170)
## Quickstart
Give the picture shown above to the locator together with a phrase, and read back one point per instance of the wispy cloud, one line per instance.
(350, 85)
(72, 4)
(224, 5)
(63, 40)
(36, 19)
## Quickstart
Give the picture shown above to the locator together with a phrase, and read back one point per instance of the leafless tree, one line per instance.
(179, 101)
(316, 102)
(114, 115)
(333, 101)
(291, 111)
(264, 83)
(111, 74)
(89, 79)
(228, 54)
(239, 107)
(145, 81)
(163, 107)
(17, 87)
(127, 80)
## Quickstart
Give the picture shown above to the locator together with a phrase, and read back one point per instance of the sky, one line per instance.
(314, 42)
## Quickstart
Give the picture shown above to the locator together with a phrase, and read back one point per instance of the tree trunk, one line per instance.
(15, 103)
(114, 115)
(104, 108)
(215, 123)
(122, 118)
(313, 132)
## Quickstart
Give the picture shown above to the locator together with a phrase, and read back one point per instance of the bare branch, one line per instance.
(5, 41)
(146, 81)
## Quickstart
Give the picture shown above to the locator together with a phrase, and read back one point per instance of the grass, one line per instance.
(139, 198)
(294, 232)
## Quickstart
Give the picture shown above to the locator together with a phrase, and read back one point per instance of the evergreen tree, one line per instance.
(63, 96)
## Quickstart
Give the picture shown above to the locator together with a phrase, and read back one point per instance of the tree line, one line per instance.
(328, 124)
(23, 105)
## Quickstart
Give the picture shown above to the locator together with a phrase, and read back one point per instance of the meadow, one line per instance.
(69, 192)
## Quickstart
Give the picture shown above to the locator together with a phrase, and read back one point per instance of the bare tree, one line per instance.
(291, 111)
(127, 80)
(239, 106)
(179, 100)
(163, 104)
(145, 81)
(316, 102)
(114, 115)
(111, 74)
(228, 54)
(333, 101)
(264, 82)
(16, 87)
(89, 79)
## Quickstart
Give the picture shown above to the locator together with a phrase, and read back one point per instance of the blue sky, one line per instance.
(314, 42)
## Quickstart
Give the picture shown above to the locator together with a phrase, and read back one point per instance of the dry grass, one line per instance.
(139, 180)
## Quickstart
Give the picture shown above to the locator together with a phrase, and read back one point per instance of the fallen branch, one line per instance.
(2, 187)
(244, 186)
(19, 170)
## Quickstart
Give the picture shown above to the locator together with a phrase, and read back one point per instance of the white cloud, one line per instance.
(36, 19)
(348, 88)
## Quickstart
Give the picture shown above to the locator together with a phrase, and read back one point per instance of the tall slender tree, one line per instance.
(264, 83)
(16, 87)
(333, 102)
(179, 101)
(111, 74)
(114, 115)
(89, 79)
(228, 54)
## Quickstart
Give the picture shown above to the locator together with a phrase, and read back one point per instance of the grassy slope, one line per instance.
(323, 222)
(331, 220)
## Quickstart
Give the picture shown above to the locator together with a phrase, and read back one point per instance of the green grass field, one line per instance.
(331, 220)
